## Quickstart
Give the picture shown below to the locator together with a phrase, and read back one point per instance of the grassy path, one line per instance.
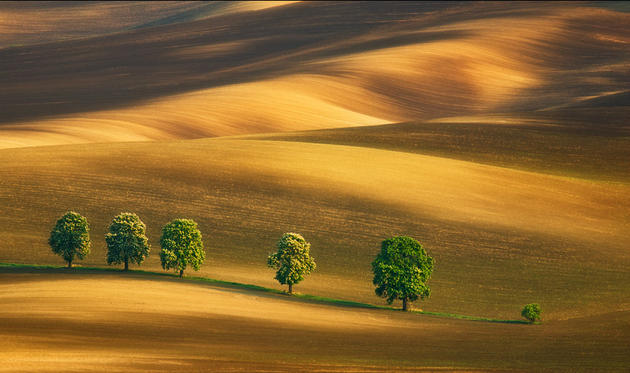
(251, 287)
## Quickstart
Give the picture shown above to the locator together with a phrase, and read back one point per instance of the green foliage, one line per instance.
(127, 240)
(70, 237)
(531, 312)
(292, 261)
(401, 270)
(181, 246)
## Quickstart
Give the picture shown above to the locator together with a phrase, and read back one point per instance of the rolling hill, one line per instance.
(311, 65)
(138, 323)
(40, 22)
(479, 220)
(495, 133)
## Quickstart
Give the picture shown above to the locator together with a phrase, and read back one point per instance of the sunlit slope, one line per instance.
(312, 65)
(268, 106)
(501, 237)
(98, 321)
(23, 23)
(588, 142)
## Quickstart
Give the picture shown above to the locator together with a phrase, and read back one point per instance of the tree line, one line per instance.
(127, 241)
(401, 269)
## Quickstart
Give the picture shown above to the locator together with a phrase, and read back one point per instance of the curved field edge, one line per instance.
(251, 287)
(92, 320)
(570, 144)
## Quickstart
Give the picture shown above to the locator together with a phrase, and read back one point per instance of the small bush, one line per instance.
(531, 312)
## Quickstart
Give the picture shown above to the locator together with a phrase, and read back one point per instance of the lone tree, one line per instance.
(70, 237)
(127, 240)
(292, 261)
(181, 246)
(401, 270)
(531, 312)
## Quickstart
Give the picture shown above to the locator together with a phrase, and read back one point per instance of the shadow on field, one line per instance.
(233, 286)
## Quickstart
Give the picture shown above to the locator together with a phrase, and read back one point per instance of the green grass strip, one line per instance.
(251, 287)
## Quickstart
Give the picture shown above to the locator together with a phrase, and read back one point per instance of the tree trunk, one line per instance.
(181, 273)
(126, 264)
(290, 288)
(405, 305)
(69, 263)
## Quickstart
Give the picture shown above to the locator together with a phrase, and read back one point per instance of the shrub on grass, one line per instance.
(531, 312)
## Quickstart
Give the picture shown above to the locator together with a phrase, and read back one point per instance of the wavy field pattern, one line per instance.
(226, 75)
(496, 133)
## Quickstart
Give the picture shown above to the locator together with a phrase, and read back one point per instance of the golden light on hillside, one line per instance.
(505, 63)
(494, 133)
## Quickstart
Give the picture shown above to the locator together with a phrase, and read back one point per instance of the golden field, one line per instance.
(342, 65)
(137, 323)
(494, 133)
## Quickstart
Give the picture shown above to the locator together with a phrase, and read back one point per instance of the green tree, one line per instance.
(127, 240)
(292, 261)
(181, 246)
(531, 312)
(401, 270)
(70, 237)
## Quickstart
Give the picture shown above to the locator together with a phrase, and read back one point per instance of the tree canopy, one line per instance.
(127, 240)
(401, 270)
(181, 246)
(531, 312)
(70, 237)
(292, 261)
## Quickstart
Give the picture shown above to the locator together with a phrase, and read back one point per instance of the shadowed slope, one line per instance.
(588, 142)
(326, 63)
(23, 23)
